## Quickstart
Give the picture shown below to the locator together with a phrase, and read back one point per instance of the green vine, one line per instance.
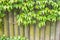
(39, 13)
(32, 12)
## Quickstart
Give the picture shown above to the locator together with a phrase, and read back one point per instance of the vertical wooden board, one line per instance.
(53, 29)
(47, 31)
(1, 28)
(18, 30)
(39, 33)
(11, 24)
(21, 30)
(31, 32)
(15, 26)
(26, 32)
(1, 31)
(6, 25)
(36, 33)
(42, 33)
(58, 30)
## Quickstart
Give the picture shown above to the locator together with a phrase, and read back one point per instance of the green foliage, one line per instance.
(39, 13)
(12, 38)
(32, 12)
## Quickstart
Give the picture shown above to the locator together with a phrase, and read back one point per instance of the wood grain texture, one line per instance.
(1, 30)
(26, 32)
(53, 31)
(11, 24)
(58, 30)
(15, 26)
(21, 31)
(36, 33)
(31, 32)
(47, 31)
(42, 33)
(6, 25)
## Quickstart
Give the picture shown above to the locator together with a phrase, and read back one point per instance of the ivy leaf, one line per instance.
(41, 24)
(54, 19)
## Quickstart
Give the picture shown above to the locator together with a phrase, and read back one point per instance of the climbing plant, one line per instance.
(39, 12)
(31, 11)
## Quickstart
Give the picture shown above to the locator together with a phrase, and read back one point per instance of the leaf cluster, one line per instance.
(39, 13)
(32, 12)
(12, 38)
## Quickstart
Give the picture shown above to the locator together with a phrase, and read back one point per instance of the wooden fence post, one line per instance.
(21, 30)
(47, 31)
(11, 24)
(31, 32)
(42, 33)
(6, 24)
(27, 32)
(58, 30)
(1, 30)
(36, 33)
(15, 25)
(53, 31)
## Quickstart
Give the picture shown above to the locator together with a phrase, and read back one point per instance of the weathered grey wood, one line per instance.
(53, 31)
(36, 33)
(42, 33)
(21, 30)
(58, 30)
(15, 25)
(11, 24)
(1, 31)
(6, 25)
(1, 27)
(26, 32)
(39, 33)
(31, 32)
(47, 31)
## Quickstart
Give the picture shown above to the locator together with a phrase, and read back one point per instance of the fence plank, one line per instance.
(6, 25)
(21, 30)
(31, 32)
(58, 30)
(15, 26)
(26, 32)
(1, 30)
(11, 24)
(36, 33)
(47, 31)
(39, 33)
(42, 33)
(53, 30)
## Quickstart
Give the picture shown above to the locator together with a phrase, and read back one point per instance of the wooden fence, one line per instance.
(10, 28)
